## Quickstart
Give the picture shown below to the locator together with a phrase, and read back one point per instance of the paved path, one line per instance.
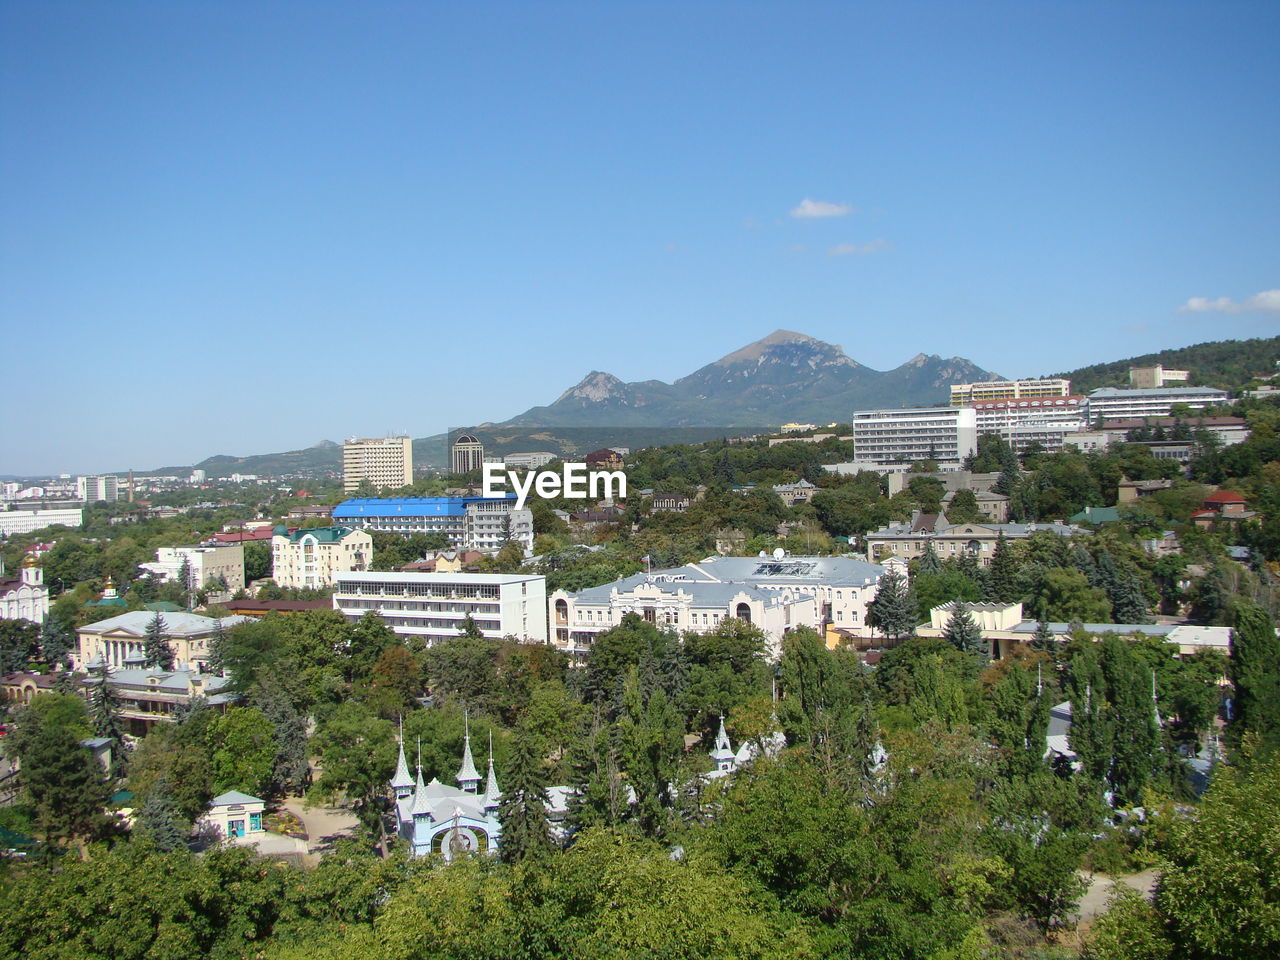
(1094, 901)
(324, 825)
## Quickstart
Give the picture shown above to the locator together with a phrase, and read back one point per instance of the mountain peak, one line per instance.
(596, 385)
(776, 342)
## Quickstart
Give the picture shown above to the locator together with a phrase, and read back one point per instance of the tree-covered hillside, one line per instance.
(1225, 364)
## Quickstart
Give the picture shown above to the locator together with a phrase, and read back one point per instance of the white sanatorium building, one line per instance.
(432, 606)
(774, 593)
(943, 434)
(16, 522)
(1111, 403)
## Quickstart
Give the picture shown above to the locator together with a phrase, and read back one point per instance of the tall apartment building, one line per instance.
(313, 558)
(384, 462)
(466, 454)
(1153, 378)
(93, 489)
(433, 606)
(471, 523)
(942, 434)
(1110, 403)
(966, 394)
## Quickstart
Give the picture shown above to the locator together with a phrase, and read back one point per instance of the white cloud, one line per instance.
(849, 249)
(1268, 301)
(815, 209)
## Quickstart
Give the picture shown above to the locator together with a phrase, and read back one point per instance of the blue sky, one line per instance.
(240, 228)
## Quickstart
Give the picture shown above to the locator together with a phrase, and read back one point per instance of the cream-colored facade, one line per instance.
(384, 462)
(120, 641)
(967, 394)
(312, 558)
(207, 565)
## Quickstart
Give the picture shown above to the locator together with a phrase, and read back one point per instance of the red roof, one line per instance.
(243, 536)
(1224, 496)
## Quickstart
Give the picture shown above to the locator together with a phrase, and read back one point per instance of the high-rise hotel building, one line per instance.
(384, 462)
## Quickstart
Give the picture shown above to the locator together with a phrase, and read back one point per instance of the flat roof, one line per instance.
(367, 576)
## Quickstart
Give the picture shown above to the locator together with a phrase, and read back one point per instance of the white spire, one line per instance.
(723, 753)
(420, 804)
(402, 780)
(468, 778)
(491, 792)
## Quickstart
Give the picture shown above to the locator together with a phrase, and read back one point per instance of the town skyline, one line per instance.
(567, 189)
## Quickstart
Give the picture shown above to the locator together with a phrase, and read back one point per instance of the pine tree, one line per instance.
(159, 820)
(1135, 738)
(599, 793)
(1043, 639)
(1009, 479)
(1081, 560)
(104, 707)
(184, 578)
(1090, 731)
(929, 563)
(963, 632)
(1002, 576)
(1255, 674)
(66, 785)
(156, 648)
(1105, 575)
(289, 731)
(55, 641)
(893, 611)
(1128, 604)
(522, 810)
(651, 739)
(217, 646)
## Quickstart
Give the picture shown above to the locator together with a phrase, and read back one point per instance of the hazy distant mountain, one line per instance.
(784, 377)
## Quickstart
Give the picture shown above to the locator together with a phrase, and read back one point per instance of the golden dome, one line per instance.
(30, 560)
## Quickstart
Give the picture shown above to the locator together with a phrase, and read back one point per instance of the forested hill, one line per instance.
(1226, 364)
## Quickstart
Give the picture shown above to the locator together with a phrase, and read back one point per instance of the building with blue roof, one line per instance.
(470, 523)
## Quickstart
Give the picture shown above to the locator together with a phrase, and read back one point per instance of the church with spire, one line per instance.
(450, 821)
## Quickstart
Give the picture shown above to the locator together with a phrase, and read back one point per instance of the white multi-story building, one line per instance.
(1022, 422)
(967, 394)
(941, 434)
(527, 461)
(13, 522)
(93, 489)
(206, 564)
(775, 593)
(1111, 403)
(313, 558)
(25, 597)
(433, 606)
(384, 462)
(469, 523)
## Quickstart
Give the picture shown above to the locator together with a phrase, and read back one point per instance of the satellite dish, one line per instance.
(778, 553)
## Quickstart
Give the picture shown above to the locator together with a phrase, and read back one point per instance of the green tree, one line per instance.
(930, 565)
(1002, 576)
(523, 808)
(243, 751)
(963, 633)
(357, 757)
(65, 783)
(1065, 595)
(1255, 675)
(651, 739)
(159, 820)
(1219, 892)
(894, 610)
(156, 649)
(19, 643)
(1043, 639)
(963, 508)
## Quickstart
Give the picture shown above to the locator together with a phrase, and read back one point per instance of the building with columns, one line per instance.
(119, 641)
